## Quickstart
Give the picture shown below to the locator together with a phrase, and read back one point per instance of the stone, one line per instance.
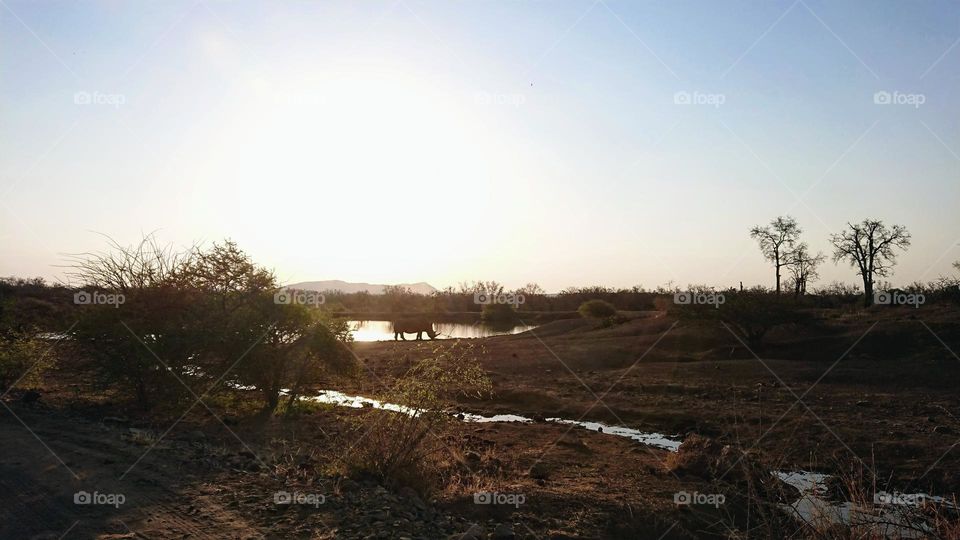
(475, 532)
(503, 531)
(540, 471)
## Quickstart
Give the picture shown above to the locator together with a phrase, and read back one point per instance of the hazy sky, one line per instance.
(513, 140)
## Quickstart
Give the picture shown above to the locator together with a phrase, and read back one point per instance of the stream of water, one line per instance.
(892, 513)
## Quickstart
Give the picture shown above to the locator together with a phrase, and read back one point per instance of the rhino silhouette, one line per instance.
(412, 326)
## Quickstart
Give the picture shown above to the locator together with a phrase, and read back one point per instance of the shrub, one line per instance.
(404, 448)
(212, 314)
(498, 313)
(597, 309)
(21, 361)
(750, 314)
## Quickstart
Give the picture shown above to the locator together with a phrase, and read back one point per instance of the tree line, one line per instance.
(870, 247)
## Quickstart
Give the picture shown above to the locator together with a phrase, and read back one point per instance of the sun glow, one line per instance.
(371, 149)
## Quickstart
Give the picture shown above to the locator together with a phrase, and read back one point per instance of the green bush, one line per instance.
(597, 309)
(21, 361)
(498, 313)
(207, 318)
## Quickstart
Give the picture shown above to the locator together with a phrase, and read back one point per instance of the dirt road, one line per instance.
(64, 477)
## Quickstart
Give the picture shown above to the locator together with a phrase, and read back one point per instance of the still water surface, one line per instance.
(383, 330)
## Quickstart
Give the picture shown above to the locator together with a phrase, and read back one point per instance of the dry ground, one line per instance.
(878, 393)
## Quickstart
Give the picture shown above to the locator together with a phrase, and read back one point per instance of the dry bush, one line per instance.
(757, 503)
(753, 495)
(22, 361)
(408, 447)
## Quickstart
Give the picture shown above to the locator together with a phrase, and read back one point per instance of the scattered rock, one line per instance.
(943, 429)
(503, 531)
(411, 495)
(572, 441)
(863, 403)
(475, 532)
(540, 471)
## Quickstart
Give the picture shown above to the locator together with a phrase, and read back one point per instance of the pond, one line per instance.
(383, 330)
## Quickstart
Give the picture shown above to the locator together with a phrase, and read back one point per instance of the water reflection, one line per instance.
(383, 330)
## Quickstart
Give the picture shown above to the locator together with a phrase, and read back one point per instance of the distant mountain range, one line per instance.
(347, 287)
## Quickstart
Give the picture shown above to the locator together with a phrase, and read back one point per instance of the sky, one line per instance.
(559, 142)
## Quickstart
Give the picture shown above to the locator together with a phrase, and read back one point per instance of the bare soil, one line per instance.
(869, 391)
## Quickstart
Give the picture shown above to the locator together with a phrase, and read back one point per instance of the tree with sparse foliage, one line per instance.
(530, 289)
(252, 338)
(137, 344)
(869, 247)
(777, 242)
(803, 268)
(195, 322)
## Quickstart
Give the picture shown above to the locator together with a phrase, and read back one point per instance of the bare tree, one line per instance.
(530, 289)
(777, 241)
(803, 268)
(138, 266)
(868, 247)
